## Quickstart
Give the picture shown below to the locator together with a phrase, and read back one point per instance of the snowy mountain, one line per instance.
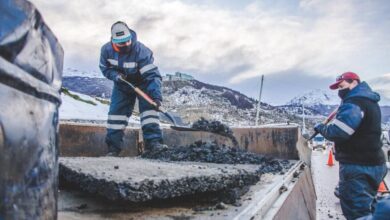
(316, 97)
(190, 100)
(92, 86)
(193, 99)
(317, 103)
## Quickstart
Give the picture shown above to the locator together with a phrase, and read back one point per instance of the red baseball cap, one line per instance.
(342, 77)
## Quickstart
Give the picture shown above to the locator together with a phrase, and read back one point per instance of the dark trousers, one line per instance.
(122, 104)
(358, 187)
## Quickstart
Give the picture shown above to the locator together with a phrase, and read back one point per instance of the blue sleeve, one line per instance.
(149, 72)
(107, 69)
(344, 125)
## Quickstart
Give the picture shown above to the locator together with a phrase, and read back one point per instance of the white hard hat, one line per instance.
(120, 33)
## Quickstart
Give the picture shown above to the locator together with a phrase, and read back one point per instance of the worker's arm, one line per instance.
(344, 125)
(107, 66)
(149, 72)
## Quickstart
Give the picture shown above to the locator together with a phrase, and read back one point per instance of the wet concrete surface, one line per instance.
(325, 180)
(211, 152)
(74, 204)
(139, 180)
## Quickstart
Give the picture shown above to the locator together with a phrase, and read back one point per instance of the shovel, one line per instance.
(327, 120)
(175, 126)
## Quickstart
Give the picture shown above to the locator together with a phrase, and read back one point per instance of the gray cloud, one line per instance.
(318, 38)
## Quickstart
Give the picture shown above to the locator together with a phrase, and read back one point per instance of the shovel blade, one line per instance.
(180, 128)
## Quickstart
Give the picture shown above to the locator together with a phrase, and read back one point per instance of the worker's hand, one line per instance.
(158, 103)
(318, 127)
(119, 77)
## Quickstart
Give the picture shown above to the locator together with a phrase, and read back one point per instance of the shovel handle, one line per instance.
(150, 101)
(331, 116)
(140, 93)
(145, 96)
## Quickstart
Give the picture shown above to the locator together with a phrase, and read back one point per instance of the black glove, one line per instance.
(317, 127)
(119, 77)
(158, 102)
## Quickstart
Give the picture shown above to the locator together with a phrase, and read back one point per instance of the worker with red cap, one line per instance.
(356, 131)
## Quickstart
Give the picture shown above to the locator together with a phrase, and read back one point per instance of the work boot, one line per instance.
(337, 192)
(155, 145)
(113, 152)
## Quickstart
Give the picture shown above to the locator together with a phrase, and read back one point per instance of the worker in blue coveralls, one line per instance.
(356, 131)
(125, 57)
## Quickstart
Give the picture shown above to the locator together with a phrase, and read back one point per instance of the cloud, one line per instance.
(381, 85)
(321, 38)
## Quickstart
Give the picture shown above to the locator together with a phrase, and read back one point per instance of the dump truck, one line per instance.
(288, 194)
(57, 170)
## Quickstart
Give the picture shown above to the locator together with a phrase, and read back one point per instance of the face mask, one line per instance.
(123, 49)
(343, 92)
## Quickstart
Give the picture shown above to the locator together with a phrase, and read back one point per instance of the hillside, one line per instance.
(191, 100)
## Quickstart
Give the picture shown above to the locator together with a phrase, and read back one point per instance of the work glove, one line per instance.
(318, 127)
(118, 77)
(158, 102)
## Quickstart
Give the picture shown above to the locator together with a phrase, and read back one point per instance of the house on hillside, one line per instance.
(178, 76)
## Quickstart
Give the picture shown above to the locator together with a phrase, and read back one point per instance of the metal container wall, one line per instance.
(30, 80)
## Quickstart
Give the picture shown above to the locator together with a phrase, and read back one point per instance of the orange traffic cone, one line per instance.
(382, 188)
(330, 158)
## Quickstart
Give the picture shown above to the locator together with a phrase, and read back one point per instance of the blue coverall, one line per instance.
(356, 131)
(137, 66)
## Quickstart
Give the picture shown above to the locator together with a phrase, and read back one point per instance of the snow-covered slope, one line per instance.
(85, 108)
(316, 97)
(194, 99)
(68, 72)
(190, 100)
(317, 103)
(76, 109)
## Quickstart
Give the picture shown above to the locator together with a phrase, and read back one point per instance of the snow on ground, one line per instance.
(76, 110)
(74, 72)
(72, 109)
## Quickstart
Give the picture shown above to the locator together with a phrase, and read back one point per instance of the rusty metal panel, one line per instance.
(276, 141)
(301, 202)
(182, 138)
(88, 140)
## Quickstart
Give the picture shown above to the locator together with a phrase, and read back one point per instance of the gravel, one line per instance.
(215, 127)
(220, 154)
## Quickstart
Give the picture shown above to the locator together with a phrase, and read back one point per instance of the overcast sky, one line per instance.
(297, 45)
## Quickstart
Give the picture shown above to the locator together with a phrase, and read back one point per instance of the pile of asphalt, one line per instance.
(140, 180)
(216, 127)
(221, 154)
